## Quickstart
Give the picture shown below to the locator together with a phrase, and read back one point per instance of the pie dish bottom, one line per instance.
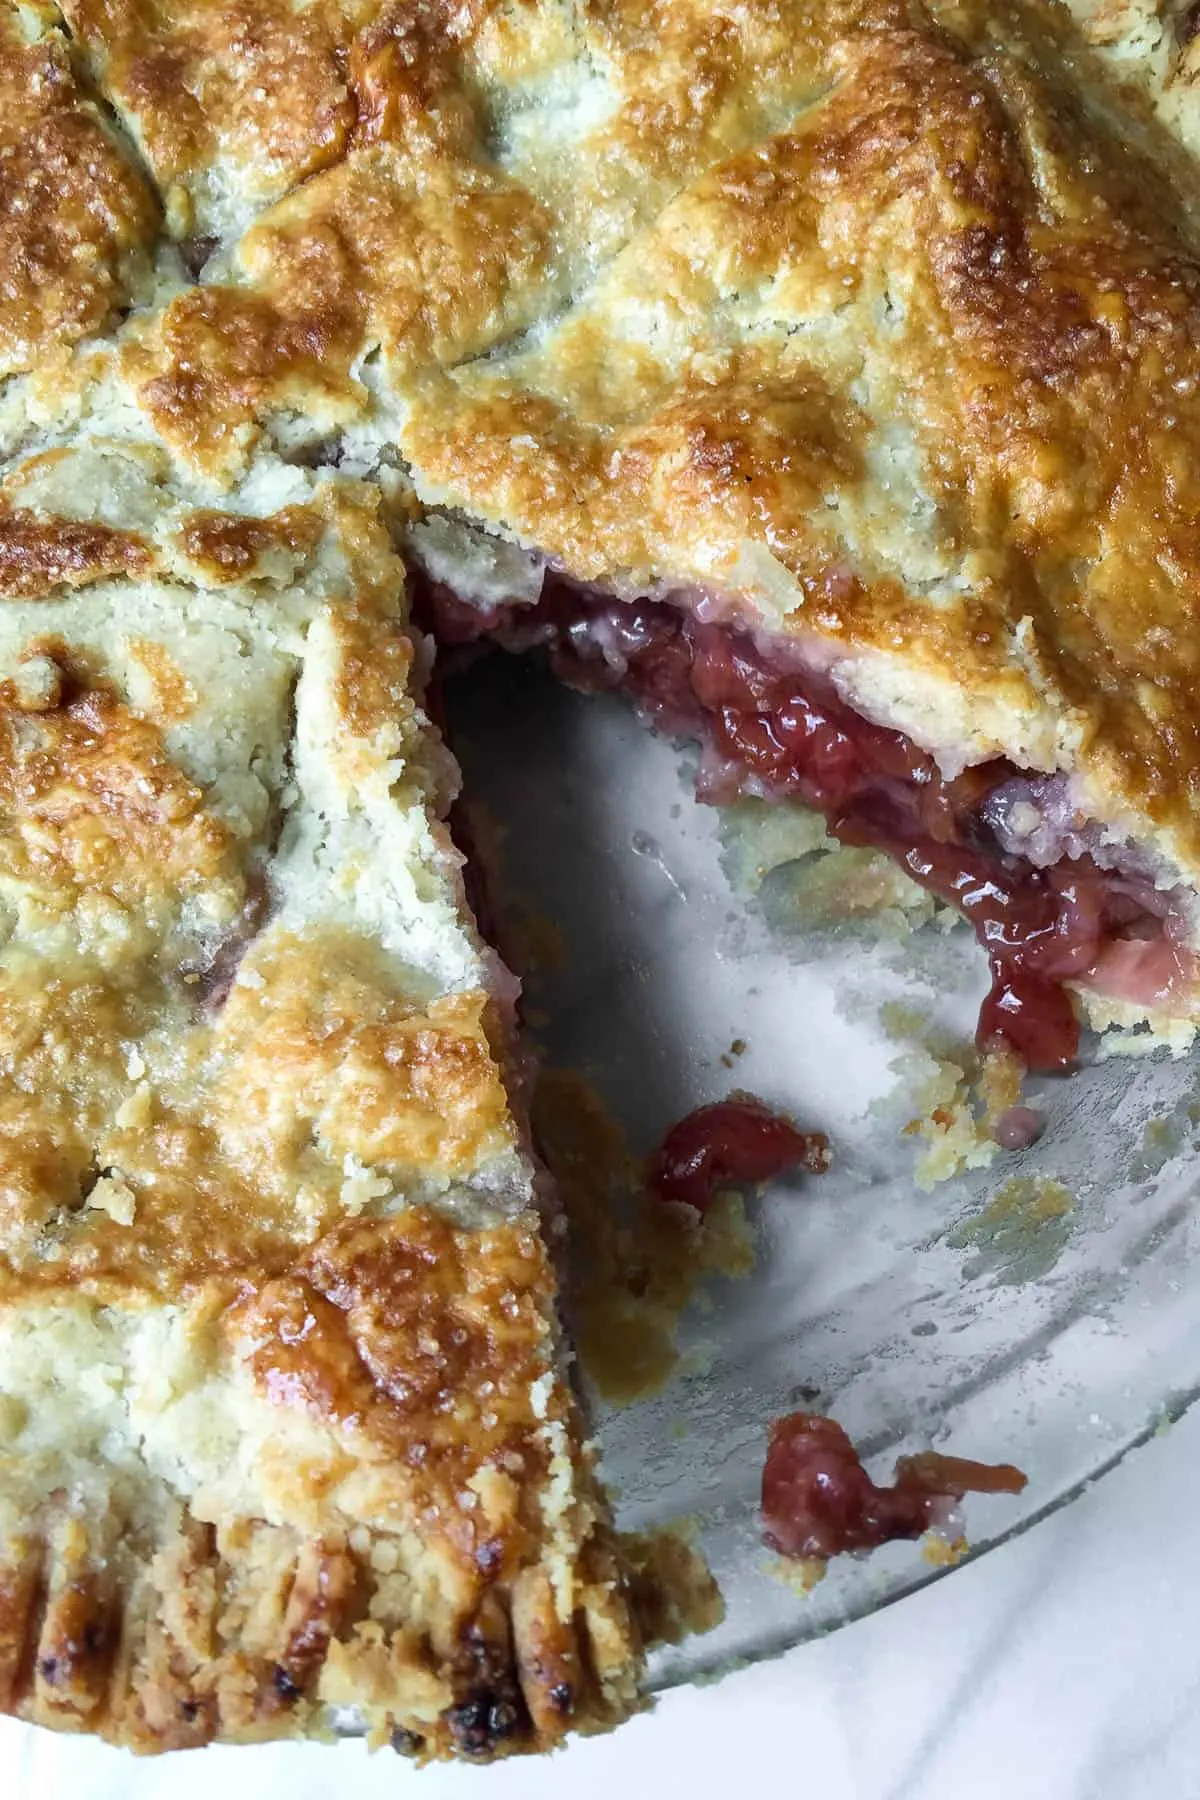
(975, 1318)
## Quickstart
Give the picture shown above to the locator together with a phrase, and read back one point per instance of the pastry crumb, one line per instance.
(943, 1552)
(115, 1197)
(638, 1261)
(945, 1120)
(672, 1589)
(800, 1573)
(954, 1097)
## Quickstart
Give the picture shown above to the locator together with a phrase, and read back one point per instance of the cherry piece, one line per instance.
(734, 1140)
(818, 1501)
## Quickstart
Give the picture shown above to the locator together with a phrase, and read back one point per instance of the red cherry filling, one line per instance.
(771, 725)
(819, 1501)
(735, 1140)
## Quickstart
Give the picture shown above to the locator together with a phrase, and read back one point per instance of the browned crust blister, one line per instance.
(78, 221)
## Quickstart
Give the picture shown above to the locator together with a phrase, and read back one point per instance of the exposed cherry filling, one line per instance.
(772, 725)
(734, 1140)
(818, 1501)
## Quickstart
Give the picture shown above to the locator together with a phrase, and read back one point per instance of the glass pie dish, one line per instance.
(1036, 1309)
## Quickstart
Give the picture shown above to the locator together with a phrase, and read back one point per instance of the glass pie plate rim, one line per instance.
(697, 1669)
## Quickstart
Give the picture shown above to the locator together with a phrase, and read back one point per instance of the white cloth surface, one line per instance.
(1062, 1666)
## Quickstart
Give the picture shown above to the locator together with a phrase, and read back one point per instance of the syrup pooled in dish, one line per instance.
(1052, 907)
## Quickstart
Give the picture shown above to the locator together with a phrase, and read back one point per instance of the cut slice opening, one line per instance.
(1057, 904)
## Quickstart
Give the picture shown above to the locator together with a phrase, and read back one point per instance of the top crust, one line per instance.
(222, 859)
(913, 380)
(874, 326)
(879, 326)
(230, 105)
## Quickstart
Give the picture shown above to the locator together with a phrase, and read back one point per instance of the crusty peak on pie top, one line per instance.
(596, 108)
(283, 1425)
(492, 157)
(879, 320)
(76, 217)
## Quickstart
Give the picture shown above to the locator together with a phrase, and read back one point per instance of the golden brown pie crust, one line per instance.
(285, 1433)
(882, 330)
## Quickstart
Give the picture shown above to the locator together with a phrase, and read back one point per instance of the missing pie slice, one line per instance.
(285, 1431)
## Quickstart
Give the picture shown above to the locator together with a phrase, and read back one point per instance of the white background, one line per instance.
(1065, 1665)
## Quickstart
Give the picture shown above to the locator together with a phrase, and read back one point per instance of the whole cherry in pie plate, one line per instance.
(1032, 1311)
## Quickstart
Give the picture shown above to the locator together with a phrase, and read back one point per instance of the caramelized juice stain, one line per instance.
(1166, 1135)
(636, 1262)
(533, 941)
(1021, 1232)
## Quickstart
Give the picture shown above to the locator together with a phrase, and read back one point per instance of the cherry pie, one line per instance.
(825, 376)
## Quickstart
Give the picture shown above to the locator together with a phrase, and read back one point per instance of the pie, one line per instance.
(286, 1434)
(827, 377)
